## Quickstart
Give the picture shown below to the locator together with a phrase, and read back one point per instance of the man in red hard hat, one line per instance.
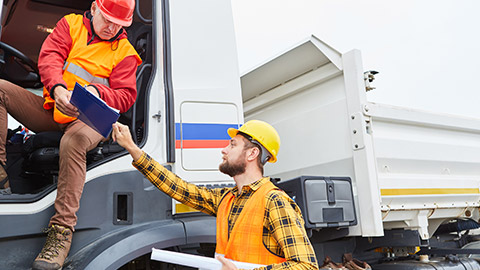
(72, 53)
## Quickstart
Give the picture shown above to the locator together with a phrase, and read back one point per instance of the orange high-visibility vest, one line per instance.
(245, 243)
(88, 64)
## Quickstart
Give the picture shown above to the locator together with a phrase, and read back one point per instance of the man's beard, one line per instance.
(233, 169)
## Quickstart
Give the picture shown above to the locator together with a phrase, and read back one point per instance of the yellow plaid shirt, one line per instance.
(283, 228)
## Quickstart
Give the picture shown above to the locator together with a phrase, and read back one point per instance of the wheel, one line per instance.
(18, 68)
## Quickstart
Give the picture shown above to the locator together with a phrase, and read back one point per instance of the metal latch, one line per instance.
(330, 190)
(158, 116)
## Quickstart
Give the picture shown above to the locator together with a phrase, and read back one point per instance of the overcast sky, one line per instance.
(427, 51)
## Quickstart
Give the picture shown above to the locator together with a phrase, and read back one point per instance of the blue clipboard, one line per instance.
(93, 111)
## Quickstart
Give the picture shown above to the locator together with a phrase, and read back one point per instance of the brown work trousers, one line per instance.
(78, 139)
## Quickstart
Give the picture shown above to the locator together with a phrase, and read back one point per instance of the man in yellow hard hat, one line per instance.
(256, 222)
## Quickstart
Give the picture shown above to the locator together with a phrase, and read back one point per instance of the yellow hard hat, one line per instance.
(263, 133)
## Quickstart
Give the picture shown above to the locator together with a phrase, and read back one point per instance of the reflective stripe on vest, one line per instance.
(85, 75)
(245, 242)
(88, 63)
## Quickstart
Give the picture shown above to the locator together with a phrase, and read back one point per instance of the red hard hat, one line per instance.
(117, 11)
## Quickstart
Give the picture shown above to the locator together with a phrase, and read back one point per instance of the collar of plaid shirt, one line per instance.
(250, 188)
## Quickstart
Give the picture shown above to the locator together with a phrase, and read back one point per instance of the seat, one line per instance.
(41, 153)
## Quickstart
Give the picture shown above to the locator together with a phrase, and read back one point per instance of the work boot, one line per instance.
(4, 183)
(55, 250)
(329, 264)
(353, 264)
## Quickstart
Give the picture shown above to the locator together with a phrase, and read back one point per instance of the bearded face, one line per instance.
(234, 157)
(233, 167)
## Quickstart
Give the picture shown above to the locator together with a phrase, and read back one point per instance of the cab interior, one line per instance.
(32, 160)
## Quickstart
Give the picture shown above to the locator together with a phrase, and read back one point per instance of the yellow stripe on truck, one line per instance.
(182, 208)
(428, 191)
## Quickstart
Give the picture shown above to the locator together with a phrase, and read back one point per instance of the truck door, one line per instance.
(204, 85)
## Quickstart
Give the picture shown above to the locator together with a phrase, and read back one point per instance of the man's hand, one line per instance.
(226, 264)
(121, 135)
(62, 101)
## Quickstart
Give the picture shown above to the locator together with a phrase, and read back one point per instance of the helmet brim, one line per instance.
(123, 23)
(232, 132)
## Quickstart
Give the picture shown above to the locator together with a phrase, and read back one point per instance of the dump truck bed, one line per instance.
(410, 169)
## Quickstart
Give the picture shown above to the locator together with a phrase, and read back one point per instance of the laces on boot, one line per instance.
(55, 242)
